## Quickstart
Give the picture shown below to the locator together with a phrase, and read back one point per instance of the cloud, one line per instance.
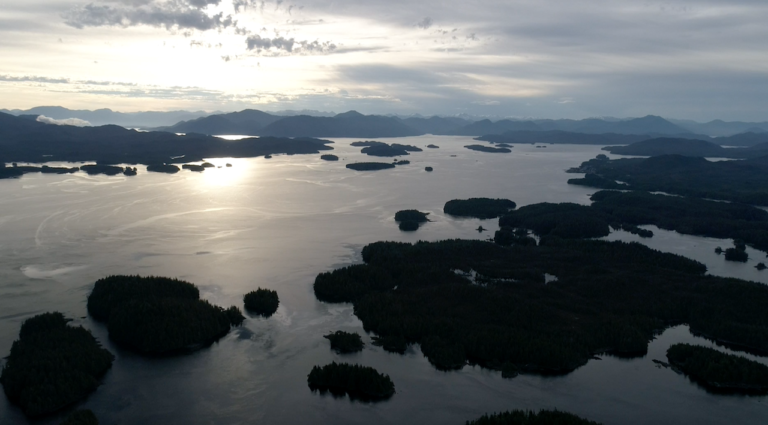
(169, 15)
(33, 78)
(425, 23)
(49, 80)
(280, 45)
(77, 122)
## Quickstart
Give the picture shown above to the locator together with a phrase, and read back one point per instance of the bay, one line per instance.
(277, 223)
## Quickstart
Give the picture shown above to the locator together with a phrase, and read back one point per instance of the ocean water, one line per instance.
(277, 223)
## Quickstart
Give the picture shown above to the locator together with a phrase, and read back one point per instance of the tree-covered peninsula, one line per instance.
(522, 417)
(745, 224)
(719, 371)
(609, 297)
(53, 365)
(262, 301)
(687, 147)
(564, 220)
(410, 220)
(158, 315)
(345, 342)
(743, 181)
(478, 207)
(359, 382)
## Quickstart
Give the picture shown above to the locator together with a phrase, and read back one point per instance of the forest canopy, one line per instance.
(53, 365)
(345, 342)
(409, 220)
(522, 417)
(609, 297)
(370, 166)
(478, 207)
(158, 315)
(359, 382)
(262, 301)
(743, 181)
(719, 371)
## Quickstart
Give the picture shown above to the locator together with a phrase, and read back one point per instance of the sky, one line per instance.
(685, 59)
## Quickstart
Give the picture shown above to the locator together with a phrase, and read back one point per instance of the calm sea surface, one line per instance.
(279, 222)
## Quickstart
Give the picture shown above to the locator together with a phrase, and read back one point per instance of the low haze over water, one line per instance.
(277, 223)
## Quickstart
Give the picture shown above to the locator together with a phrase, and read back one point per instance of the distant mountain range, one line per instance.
(687, 147)
(24, 139)
(353, 124)
(564, 137)
(719, 128)
(108, 116)
(573, 138)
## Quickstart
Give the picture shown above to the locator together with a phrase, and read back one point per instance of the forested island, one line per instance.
(744, 181)
(19, 170)
(163, 168)
(345, 342)
(109, 170)
(193, 167)
(627, 210)
(719, 371)
(370, 166)
(158, 315)
(385, 149)
(609, 297)
(410, 220)
(523, 417)
(738, 252)
(478, 207)
(329, 157)
(482, 148)
(262, 301)
(53, 365)
(359, 382)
